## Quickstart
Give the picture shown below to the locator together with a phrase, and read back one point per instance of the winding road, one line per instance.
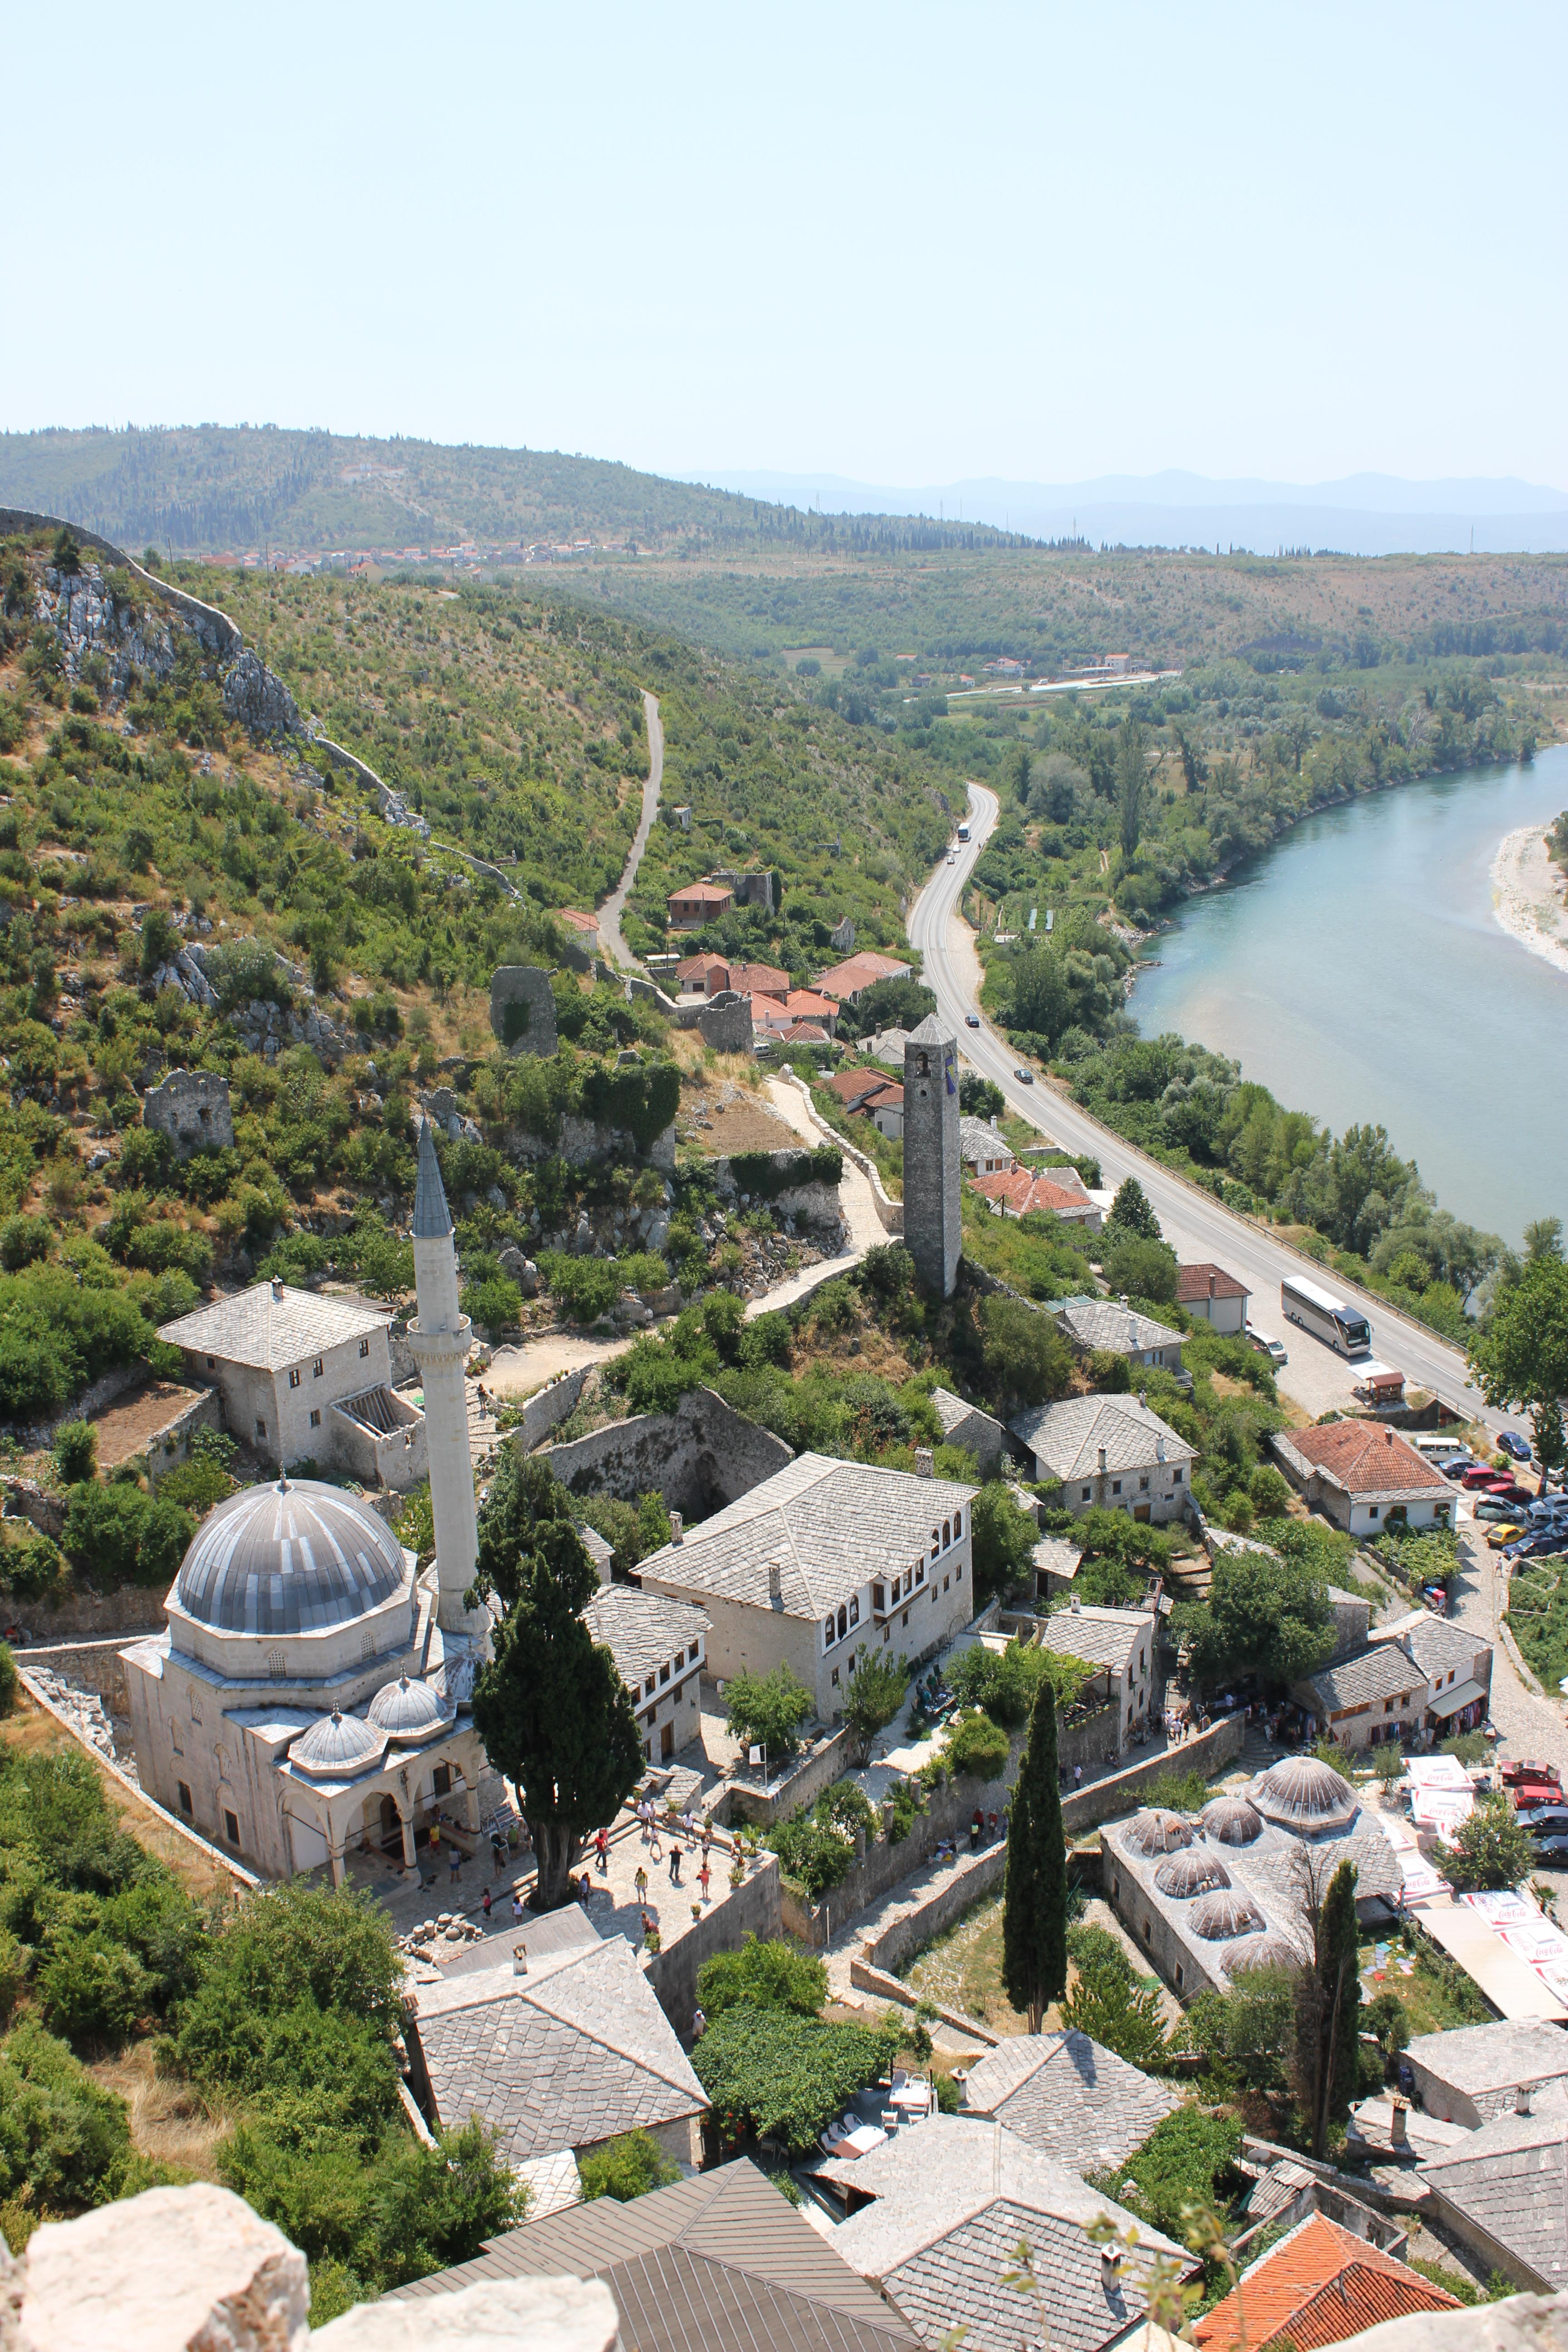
(1197, 1227)
(610, 943)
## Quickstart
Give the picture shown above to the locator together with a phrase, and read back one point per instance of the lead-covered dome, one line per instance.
(1231, 1821)
(1189, 1873)
(1219, 1918)
(1265, 1951)
(289, 1558)
(336, 1744)
(407, 1710)
(1304, 1794)
(1154, 1830)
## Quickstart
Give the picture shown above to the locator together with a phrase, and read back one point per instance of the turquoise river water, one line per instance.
(1357, 969)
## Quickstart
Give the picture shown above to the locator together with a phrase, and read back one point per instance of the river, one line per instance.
(1356, 969)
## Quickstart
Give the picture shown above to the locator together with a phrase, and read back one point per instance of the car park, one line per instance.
(1025, 1078)
(1552, 1849)
(1546, 1821)
(1533, 1547)
(1536, 1797)
(1509, 1532)
(1454, 1466)
(1510, 1442)
(1493, 1506)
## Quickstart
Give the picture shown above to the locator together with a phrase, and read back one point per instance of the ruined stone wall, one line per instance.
(698, 1458)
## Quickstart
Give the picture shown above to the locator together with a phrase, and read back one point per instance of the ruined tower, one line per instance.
(932, 1232)
(440, 1338)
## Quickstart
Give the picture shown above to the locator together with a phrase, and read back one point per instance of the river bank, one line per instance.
(1527, 898)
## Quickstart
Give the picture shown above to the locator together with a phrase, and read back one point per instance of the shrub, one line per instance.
(768, 1710)
(979, 1747)
(496, 1304)
(813, 1850)
(876, 1693)
(586, 1287)
(92, 1990)
(1004, 1683)
(31, 1568)
(65, 2143)
(24, 1241)
(124, 1536)
(780, 2076)
(75, 1451)
(196, 1485)
(7, 1679)
(768, 1975)
(1189, 2158)
(625, 2168)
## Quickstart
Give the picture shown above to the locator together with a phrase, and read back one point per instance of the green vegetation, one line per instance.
(766, 1975)
(816, 1844)
(625, 2168)
(1035, 1888)
(1328, 2010)
(1189, 2161)
(1107, 2003)
(767, 1711)
(1521, 1355)
(1538, 1617)
(1006, 1682)
(772, 2074)
(874, 1698)
(1266, 1616)
(977, 1746)
(1492, 1848)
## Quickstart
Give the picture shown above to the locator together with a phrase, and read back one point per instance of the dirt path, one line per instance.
(610, 943)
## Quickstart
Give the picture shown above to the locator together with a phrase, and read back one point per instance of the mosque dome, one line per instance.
(289, 1558)
(1154, 1831)
(1267, 1951)
(335, 1745)
(1231, 1821)
(407, 1710)
(1304, 1794)
(1220, 1917)
(1189, 1873)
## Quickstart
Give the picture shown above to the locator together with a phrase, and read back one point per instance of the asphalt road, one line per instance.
(1196, 1225)
(610, 943)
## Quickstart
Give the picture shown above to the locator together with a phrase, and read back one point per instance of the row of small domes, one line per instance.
(401, 1711)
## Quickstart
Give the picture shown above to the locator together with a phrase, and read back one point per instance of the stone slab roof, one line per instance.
(1102, 1637)
(1068, 2097)
(953, 2198)
(1368, 1460)
(642, 1631)
(1509, 2179)
(978, 1139)
(575, 2052)
(270, 1326)
(1499, 2056)
(1067, 1437)
(1105, 1323)
(952, 1412)
(1381, 1670)
(1436, 1643)
(718, 2261)
(826, 1525)
(1320, 2284)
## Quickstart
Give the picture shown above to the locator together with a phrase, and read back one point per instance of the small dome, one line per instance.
(289, 1558)
(1304, 1794)
(1190, 1874)
(1153, 1831)
(336, 1744)
(1267, 1951)
(1219, 1916)
(407, 1710)
(1231, 1821)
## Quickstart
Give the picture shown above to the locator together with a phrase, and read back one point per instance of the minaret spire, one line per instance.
(440, 1338)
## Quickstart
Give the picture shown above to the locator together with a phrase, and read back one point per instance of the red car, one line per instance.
(1528, 1794)
(1481, 1474)
(1518, 1768)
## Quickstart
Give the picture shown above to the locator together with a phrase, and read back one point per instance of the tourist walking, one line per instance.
(602, 1848)
(674, 1864)
(516, 1908)
(455, 1864)
(485, 1903)
(640, 1884)
(703, 1877)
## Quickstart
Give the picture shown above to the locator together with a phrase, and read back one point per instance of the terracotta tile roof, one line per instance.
(1318, 2286)
(852, 1086)
(698, 966)
(805, 1032)
(1020, 1192)
(808, 1005)
(887, 1098)
(1366, 1458)
(576, 921)
(704, 893)
(759, 980)
(859, 971)
(1207, 1281)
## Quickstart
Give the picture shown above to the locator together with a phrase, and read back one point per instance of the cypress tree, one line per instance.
(1035, 1890)
(1328, 2009)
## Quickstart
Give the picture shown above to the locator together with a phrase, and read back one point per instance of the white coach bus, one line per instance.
(1327, 1318)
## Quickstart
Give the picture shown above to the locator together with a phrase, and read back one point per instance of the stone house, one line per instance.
(1503, 2189)
(1109, 1453)
(1472, 2073)
(1364, 1477)
(1067, 2097)
(1457, 1666)
(191, 1108)
(305, 1376)
(1217, 1297)
(1320, 2284)
(849, 980)
(1121, 1641)
(821, 1564)
(1377, 1695)
(697, 903)
(1104, 1326)
(1052, 1191)
(658, 1649)
(977, 1432)
(982, 1149)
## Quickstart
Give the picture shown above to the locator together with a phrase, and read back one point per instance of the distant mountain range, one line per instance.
(1363, 514)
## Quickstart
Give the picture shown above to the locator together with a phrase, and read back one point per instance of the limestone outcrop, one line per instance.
(256, 699)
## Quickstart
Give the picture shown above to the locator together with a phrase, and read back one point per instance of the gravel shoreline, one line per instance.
(1528, 896)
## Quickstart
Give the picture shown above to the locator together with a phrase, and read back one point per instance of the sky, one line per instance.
(904, 244)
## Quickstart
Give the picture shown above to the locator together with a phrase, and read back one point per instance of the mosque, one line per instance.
(312, 1690)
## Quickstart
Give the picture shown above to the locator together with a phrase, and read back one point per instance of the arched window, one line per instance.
(946, 1533)
(827, 1633)
(843, 1621)
(958, 1527)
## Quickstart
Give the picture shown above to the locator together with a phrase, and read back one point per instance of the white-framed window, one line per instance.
(317, 1368)
(294, 1379)
(315, 1418)
(364, 1347)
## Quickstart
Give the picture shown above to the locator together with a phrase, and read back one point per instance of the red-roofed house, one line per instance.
(885, 1110)
(707, 971)
(1363, 1476)
(1208, 1290)
(849, 980)
(854, 1086)
(1319, 2285)
(1017, 1193)
(588, 925)
(777, 1014)
(759, 980)
(696, 903)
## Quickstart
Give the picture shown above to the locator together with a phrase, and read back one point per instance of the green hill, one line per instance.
(203, 489)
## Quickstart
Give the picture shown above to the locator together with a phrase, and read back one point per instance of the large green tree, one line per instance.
(1328, 1999)
(1132, 1212)
(1035, 1888)
(1264, 1616)
(553, 1711)
(1520, 1357)
(1131, 786)
(1492, 1849)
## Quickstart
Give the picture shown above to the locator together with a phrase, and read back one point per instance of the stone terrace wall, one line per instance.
(94, 1665)
(746, 1801)
(1209, 1753)
(753, 1909)
(698, 1457)
(549, 1407)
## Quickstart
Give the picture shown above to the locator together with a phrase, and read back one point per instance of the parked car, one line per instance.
(1508, 1491)
(1552, 1849)
(1509, 1533)
(1454, 1466)
(1529, 1768)
(972, 1020)
(1536, 1797)
(1479, 1474)
(1272, 1348)
(1510, 1442)
(1546, 1821)
(1533, 1546)
(1025, 1078)
(1547, 1507)
(1494, 1507)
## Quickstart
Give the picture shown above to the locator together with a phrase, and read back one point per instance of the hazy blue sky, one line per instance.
(900, 243)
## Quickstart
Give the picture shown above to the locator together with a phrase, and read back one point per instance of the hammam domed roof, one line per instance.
(1156, 1832)
(407, 1710)
(1231, 1821)
(336, 1746)
(1265, 1951)
(291, 1557)
(1220, 1917)
(1191, 1872)
(1304, 1794)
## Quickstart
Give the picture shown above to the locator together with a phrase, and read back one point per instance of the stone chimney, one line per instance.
(922, 1462)
(1398, 2136)
(1110, 2269)
(1102, 1461)
(1144, 1400)
(277, 1291)
(1159, 1449)
(677, 1527)
(775, 1585)
(1522, 2098)
(1211, 1286)
(520, 1959)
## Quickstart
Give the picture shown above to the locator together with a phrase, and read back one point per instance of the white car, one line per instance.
(1271, 1348)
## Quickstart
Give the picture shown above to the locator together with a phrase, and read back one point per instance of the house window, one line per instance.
(441, 1780)
(185, 1788)
(827, 1633)
(958, 1573)
(1178, 1972)
(261, 1429)
(212, 1363)
(843, 1622)
(1143, 1485)
(855, 1611)
(317, 1368)
(1084, 1493)
(958, 1527)
(276, 1667)
(878, 1597)
(315, 1419)
(946, 1533)
(664, 1673)
(905, 1618)
(649, 1687)
(945, 1583)
(1388, 1707)
(230, 1826)
(692, 1654)
(1175, 1477)
(294, 1379)
(1116, 1486)
(920, 1573)
(1371, 1511)
(364, 1347)
(836, 1678)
